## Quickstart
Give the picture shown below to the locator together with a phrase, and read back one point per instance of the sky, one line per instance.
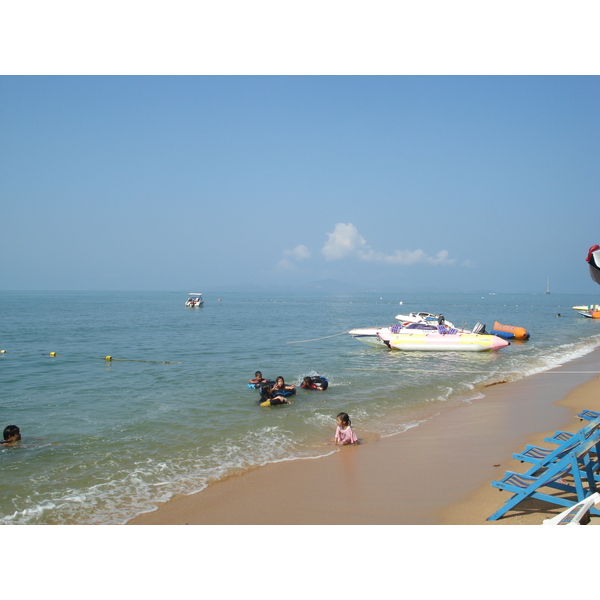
(445, 183)
(388, 149)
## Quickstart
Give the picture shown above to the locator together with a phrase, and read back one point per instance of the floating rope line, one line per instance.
(161, 362)
(107, 358)
(315, 339)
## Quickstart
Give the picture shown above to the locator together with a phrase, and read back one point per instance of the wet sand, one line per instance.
(436, 473)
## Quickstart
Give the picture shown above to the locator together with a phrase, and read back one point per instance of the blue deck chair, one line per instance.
(565, 440)
(562, 436)
(528, 486)
(591, 416)
(588, 415)
(550, 475)
(542, 456)
(559, 437)
(576, 514)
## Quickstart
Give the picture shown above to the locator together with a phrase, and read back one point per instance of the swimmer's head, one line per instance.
(12, 433)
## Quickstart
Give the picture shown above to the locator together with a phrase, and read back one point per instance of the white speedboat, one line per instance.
(590, 314)
(195, 299)
(430, 340)
(422, 317)
(589, 308)
(368, 336)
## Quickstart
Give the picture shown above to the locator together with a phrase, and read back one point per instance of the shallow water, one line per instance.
(106, 440)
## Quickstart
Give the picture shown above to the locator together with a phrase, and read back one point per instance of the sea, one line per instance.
(171, 412)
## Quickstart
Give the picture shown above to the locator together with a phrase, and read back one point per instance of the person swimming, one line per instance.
(315, 382)
(282, 386)
(258, 378)
(259, 381)
(12, 435)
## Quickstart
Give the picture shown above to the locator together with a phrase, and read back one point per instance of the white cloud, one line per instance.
(411, 257)
(285, 265)
(298, 253)
(345, 241)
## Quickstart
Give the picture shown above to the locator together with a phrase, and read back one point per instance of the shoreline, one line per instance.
(436, 473)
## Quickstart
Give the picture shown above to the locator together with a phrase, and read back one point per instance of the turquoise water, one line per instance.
(104, 441)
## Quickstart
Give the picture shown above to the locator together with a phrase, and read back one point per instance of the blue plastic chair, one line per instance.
(588, 415)
(566, 442)
(549, 472)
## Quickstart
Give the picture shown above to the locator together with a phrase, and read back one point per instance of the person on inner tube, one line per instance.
(258, 378)
(274, 395)
(313, 383)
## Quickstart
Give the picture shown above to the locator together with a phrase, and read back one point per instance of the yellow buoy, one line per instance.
(109, 358)
(2, 351)
(52, 353)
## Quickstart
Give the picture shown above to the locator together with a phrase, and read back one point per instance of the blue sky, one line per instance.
(453, 183)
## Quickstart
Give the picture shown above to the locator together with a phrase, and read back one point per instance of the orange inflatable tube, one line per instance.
(519, 333)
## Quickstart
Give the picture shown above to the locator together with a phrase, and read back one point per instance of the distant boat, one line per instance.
(194, 299)
(548, 286)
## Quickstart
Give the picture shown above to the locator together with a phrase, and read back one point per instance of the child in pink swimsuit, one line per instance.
(344, 434)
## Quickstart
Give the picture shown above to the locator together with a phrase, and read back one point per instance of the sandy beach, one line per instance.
(436, 473)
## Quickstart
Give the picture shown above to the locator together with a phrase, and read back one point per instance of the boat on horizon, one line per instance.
(194, 300)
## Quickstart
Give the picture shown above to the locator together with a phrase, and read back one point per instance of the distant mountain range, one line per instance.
(325, 285)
